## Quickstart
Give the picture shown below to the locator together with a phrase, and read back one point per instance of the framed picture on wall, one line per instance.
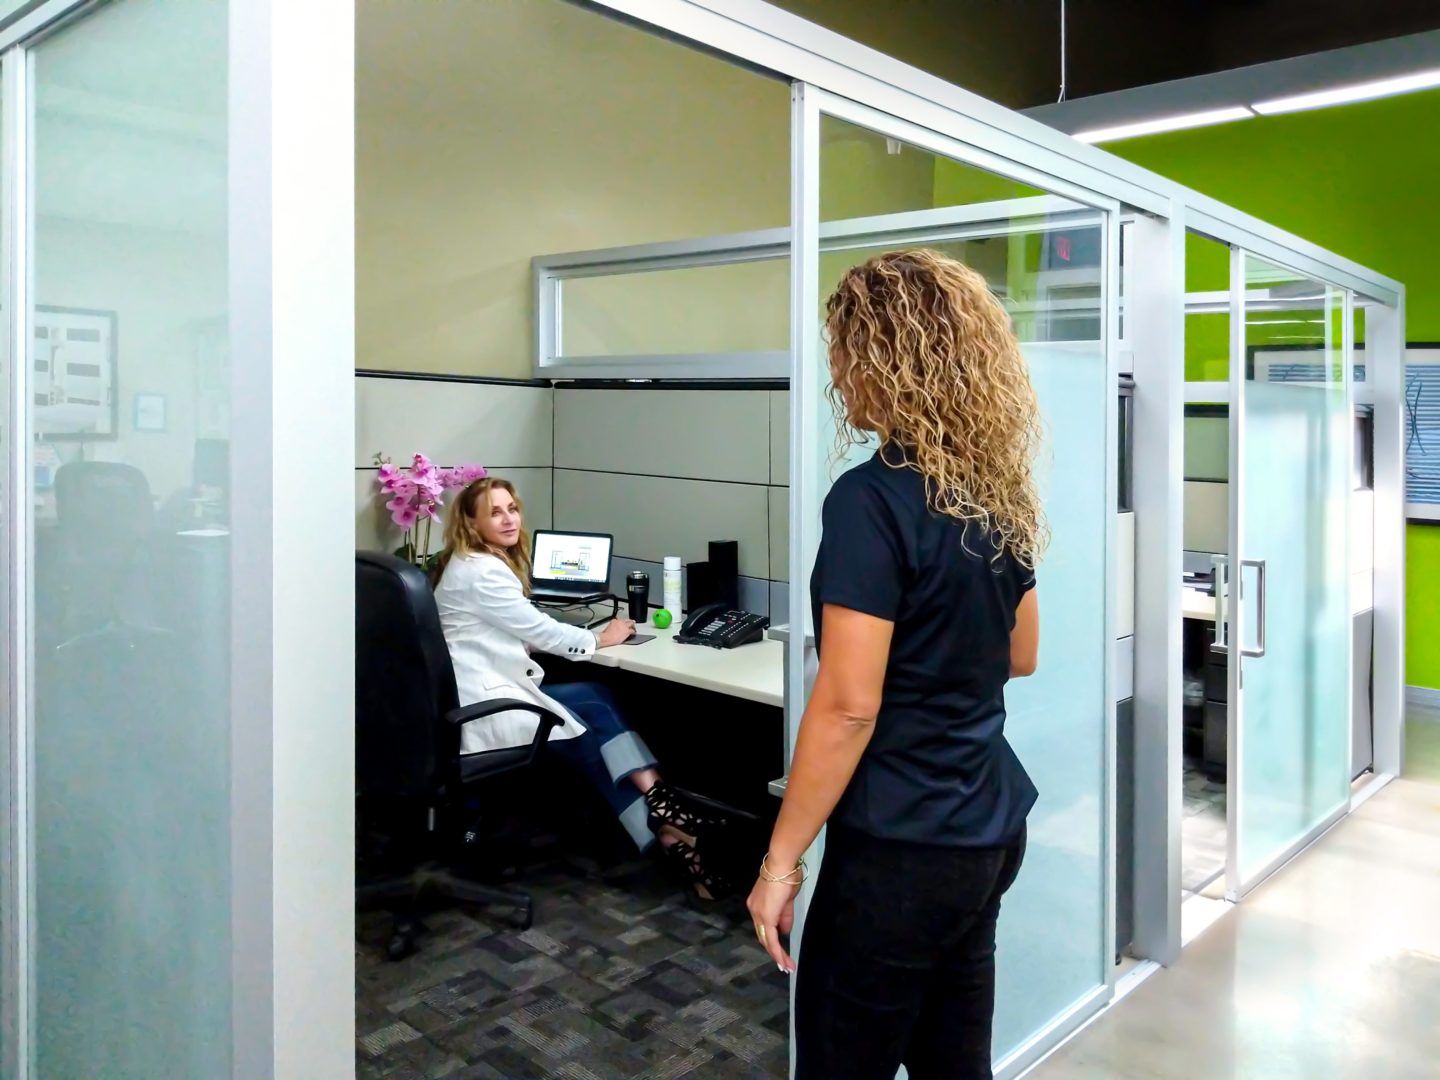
(73, 377)
(1422, 431)
(149, 412)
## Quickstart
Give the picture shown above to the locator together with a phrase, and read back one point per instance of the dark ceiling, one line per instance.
(1009, 50)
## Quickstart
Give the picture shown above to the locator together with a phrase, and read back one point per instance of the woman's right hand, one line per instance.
(615, 632)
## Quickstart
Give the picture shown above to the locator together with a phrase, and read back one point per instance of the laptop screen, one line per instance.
(571, 557)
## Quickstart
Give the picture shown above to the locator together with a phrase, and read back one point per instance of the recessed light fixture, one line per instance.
(1165, 123)
(1341, 95)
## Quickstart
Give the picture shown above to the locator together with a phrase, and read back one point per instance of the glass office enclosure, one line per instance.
(1046, 252)
(1290, 629)
(128, 407)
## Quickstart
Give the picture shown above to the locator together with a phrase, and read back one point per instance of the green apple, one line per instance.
(662, 618)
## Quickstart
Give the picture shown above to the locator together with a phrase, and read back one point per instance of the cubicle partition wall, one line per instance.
(636, 461)
(506, 425)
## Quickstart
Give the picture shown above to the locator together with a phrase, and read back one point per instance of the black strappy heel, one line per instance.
(709, 884)
(686, 815)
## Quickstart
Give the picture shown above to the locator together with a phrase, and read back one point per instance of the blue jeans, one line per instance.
(608, 753)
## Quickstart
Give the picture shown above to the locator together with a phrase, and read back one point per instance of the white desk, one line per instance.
(1195, 604)
(754, 672)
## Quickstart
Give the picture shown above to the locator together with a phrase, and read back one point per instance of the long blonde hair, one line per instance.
(922, 355)
(462, 538)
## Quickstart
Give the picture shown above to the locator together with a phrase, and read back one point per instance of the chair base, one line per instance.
(414, 888)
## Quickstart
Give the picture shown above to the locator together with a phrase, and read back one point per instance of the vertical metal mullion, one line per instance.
(1345, 433)
(804, 431)
(1155, 322)
(15, 544)
(1111, 300)
(1235, 576)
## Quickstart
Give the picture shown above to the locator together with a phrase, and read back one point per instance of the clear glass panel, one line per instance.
(1044, 257)
(131, 555)
(731, 307)
(1296, 466)
(1207, 315)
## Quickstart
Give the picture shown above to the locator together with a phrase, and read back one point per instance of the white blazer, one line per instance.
(488, 625)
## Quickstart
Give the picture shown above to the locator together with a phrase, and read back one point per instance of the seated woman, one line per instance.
(491, 628)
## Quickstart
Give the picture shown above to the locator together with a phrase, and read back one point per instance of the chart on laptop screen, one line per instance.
(568, 557)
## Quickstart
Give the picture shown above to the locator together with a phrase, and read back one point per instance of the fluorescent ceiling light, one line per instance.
(1165, 123)
(1319, 99)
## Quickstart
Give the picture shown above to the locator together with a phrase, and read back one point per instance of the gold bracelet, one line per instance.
(783, 879)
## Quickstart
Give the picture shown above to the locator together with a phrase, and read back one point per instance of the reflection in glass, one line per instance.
(128, 361)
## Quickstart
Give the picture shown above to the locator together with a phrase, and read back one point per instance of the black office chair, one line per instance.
(97, 566)
(407, 745)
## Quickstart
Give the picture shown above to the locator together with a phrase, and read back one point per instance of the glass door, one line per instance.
(1289, 617)
(875, 184)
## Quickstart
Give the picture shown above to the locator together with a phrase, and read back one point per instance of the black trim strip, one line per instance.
(427, 376)
(664, 476)
(488, 468)
(672, 384)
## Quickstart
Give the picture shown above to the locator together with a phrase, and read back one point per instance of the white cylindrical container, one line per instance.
(672, 585)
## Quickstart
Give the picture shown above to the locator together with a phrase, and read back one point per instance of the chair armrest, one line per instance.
(547, 720)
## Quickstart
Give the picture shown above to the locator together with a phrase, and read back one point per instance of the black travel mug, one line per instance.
(637, 589)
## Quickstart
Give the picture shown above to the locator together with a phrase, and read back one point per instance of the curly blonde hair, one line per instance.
(922, 355)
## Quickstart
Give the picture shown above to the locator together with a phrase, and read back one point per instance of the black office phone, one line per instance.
(720, 628)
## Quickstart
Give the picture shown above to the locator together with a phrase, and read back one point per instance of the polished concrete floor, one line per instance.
(1331, 971)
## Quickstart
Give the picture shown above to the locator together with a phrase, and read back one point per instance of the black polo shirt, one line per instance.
(938, 769)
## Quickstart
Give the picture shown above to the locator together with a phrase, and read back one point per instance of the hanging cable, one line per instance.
(1064, 61)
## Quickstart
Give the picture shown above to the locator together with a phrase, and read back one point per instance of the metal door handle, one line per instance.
(1261, 580)
(1220, 570)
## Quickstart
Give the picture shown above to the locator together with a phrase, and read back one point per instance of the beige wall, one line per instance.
(491, 132)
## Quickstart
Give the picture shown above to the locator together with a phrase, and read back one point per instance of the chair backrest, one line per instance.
(107, 502)
(404, 684)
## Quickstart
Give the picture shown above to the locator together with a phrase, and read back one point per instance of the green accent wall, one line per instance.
(1361, 181)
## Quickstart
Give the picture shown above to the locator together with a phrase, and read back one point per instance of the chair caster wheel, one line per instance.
(402, 941)
(525, 917)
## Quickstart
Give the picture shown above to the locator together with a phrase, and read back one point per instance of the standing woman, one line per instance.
(923, 592)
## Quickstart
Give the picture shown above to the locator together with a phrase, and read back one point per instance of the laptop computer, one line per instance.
(570, 566)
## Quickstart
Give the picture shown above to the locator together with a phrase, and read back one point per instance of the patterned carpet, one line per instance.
(621, 977)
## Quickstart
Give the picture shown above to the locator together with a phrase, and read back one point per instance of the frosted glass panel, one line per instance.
(1294, 761)
(1052, 927)
(1044, 259)
(130, 406)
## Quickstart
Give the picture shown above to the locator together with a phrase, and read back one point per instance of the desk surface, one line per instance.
(753, 672)
(1197, 605)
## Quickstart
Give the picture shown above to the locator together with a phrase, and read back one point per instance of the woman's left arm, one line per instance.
(834, 731)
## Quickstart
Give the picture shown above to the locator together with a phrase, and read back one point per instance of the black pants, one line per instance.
(897, 962)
